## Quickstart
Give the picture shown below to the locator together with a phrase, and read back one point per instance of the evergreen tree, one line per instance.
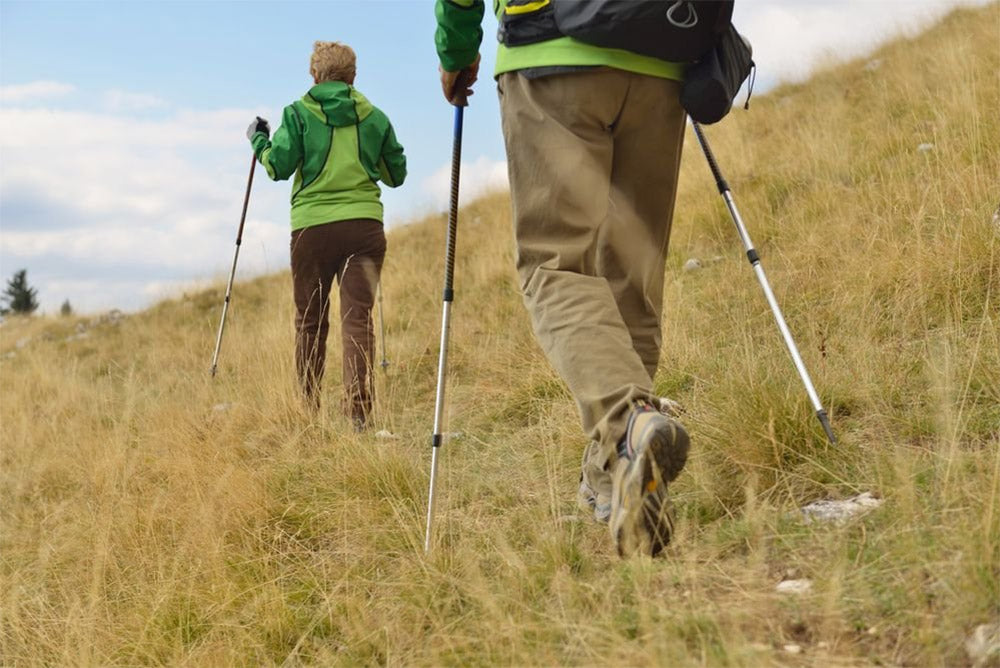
(19, 296)
(66, 309)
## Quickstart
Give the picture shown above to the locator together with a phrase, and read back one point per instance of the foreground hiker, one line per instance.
(338, 145)
(593, 138)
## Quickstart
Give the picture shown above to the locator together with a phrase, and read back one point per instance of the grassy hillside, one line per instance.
(151, 515)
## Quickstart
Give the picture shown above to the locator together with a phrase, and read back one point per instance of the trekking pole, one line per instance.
(232, 274)
(449, 269)
(759, 270)
(381, 322)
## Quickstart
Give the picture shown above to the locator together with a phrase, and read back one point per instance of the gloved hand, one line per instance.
(457, 86)
(259, 125)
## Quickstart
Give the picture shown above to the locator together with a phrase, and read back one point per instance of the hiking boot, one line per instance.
(651, 455)
(591, 499)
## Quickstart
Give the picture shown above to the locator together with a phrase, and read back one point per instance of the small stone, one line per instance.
(822, 644)
(983, 646)
(671, 408)
(385, 434)
(840, 511)
(925, 147)
(221, 408)
(792, 648)
(694, 264)
(794, 587)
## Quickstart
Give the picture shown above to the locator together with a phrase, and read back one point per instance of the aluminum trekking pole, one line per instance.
(381, 323)
(759, 270)
(449, 270)
(232, 273)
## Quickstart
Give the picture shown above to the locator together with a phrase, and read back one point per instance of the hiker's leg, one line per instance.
(312, 279)
(560, 148)
(358, 283)
(648, 138)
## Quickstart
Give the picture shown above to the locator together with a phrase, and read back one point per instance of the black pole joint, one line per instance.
(753, 257)
(449, 295)
(436, 441)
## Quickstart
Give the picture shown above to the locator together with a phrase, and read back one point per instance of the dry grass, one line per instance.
(142, 526)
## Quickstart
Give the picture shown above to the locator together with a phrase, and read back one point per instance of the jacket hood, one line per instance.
(337, 104)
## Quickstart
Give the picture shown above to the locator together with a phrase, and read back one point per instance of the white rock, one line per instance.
(694, 264)
(840, 511)
(792, 648)
(222, 408)
(926, 146)
(794, 587)
(983, 646)
(385, 434)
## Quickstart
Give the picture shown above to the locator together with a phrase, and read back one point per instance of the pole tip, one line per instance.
(825, 421)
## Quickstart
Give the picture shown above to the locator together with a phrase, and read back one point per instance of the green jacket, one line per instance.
(459, 34)
(338, 145)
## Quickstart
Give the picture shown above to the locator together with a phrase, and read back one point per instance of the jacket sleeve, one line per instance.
(392, 163)
(459, 32)
(282, 154)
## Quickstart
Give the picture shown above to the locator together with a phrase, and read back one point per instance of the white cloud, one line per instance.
(791, 37)
(120, 100)
(476, 178)
(34, 92)
(107, 209)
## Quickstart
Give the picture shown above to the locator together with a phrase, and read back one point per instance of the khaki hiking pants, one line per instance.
(593, 158)
(350, 251)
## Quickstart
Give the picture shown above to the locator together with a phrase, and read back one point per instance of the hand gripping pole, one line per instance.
(754, 258)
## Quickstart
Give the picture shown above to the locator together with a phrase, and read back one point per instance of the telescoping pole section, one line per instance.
(232, 273)
(759, 270)
(449, 295)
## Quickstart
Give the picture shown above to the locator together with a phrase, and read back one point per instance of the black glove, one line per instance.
(259, 125)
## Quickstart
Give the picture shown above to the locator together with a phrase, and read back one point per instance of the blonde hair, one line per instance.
(332, 61)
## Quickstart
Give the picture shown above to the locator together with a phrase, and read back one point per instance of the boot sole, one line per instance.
(643, 502)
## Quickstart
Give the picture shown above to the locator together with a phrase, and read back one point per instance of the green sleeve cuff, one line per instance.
(459, 32)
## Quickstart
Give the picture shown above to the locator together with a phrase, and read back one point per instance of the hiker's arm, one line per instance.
(392, 163)
(282, 154)
(457, 38)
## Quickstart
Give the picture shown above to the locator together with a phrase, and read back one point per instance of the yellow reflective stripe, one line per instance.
(526, 8)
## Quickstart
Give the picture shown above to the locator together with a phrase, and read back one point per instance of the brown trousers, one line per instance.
(350, 251)
(593, 159)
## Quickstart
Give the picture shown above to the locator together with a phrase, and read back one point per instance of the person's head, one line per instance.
(332, 61)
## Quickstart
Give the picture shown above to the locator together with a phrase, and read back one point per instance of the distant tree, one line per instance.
(66, 310)
(19, 296)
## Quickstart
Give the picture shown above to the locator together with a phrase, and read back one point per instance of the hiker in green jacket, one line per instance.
(593, 138)
(338, 146)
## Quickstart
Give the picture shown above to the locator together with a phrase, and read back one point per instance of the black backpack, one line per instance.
(699, 32)
(679, 31)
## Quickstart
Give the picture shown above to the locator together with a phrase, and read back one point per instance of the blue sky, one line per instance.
(123, 159)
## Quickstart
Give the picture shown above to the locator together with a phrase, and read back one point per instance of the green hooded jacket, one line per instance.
(339, 146)
(459, 34)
